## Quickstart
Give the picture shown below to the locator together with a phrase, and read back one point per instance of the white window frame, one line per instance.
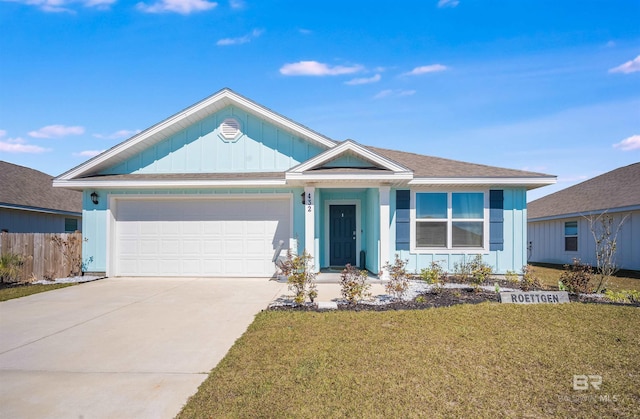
(449, 247)
(565, 235)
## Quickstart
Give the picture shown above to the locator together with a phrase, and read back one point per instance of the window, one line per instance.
(449, 219)
(70, 225)
(571, 236)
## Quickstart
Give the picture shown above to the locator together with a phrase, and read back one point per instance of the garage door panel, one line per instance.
(190, 237)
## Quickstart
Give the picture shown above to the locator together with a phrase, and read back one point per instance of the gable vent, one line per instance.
(230, 129)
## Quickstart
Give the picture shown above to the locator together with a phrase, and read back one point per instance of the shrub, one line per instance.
(11, 268)
(398, 282)
(529, 279)
(480, 271)
(462, 271)
(512, 277)
(577, 277)
(624, 296)
(300, 276)
(353, 284)
(434, 274)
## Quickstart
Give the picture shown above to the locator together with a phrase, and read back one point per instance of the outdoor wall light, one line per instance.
(94, 198)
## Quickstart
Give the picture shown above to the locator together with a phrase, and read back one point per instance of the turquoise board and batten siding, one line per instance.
(94, 217)
(512, 258)
(198, 149)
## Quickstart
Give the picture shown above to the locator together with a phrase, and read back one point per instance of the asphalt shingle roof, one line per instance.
(437, 167)
(27, 187)
(615, 189)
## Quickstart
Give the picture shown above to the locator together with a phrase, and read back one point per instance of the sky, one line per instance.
(538, 85)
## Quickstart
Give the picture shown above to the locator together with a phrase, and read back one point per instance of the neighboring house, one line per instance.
(30, 204)
(212, 190)
(559, 228)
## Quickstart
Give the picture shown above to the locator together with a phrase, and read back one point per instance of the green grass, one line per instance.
(18, 291)
(624, 280)
(486, 360)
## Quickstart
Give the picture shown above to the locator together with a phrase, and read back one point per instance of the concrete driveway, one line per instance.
(124, 347)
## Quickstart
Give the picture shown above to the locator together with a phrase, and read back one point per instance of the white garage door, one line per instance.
(199, 237)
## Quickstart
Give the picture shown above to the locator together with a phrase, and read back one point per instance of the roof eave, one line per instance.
(163, 129)
(585, 213)
(528, 182)
(164, 184)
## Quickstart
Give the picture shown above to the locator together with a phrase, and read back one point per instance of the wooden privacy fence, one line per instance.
(44, 255)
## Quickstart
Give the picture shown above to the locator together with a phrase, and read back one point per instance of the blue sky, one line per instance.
(548, 86)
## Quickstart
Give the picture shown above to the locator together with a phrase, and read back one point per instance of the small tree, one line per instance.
(605, 234)
(300, 276)
(353, 284)
(398, 282)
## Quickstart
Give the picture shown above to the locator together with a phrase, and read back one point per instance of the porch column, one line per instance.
(384, 229)
(309, 222)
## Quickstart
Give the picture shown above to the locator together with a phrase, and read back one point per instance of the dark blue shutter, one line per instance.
(403, 219)
(496, 220)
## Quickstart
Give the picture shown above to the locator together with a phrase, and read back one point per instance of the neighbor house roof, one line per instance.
(29, 189)
(614, 190)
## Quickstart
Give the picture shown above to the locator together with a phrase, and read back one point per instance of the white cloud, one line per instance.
(241, 40)
(448, 3)
(88, 153)
(19, 145)
(2, 133)
(314, 68)
(433, 68)
(394, 93)
(183, 7)
(57, 6)
(123, 133)
(56, 131)
(305, 31)
(610, 44)
(237, 4)
(364, 80)
(628, 67)
(628, 144)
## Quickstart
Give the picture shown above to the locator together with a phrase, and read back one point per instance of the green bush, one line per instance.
(398, 282)
(462, 271)
(11, 268)
(624, 296)
(480, 271)
(529, 279)
(434, 274)
(353, 284)
(577, 277)
(300, 276)
(512, 277)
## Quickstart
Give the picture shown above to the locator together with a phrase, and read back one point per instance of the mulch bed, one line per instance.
(443, 298)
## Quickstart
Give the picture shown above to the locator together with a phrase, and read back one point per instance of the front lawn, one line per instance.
(463, 361)
(624, 280)
(17, 291)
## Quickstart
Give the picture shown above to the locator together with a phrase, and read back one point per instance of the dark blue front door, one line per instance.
(342, 235)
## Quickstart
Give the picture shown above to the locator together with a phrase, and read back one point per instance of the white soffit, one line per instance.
(182, 120)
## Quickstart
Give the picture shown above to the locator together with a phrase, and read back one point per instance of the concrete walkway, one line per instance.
(125, 347)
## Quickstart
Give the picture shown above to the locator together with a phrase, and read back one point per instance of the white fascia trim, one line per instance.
(586, 213)
(41, 210)
(349, 146)
(348, 177)
(484, 181)
(156, 129)
(128, 184)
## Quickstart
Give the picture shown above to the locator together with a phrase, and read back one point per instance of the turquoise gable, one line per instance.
(348, 160)
(199, 148)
